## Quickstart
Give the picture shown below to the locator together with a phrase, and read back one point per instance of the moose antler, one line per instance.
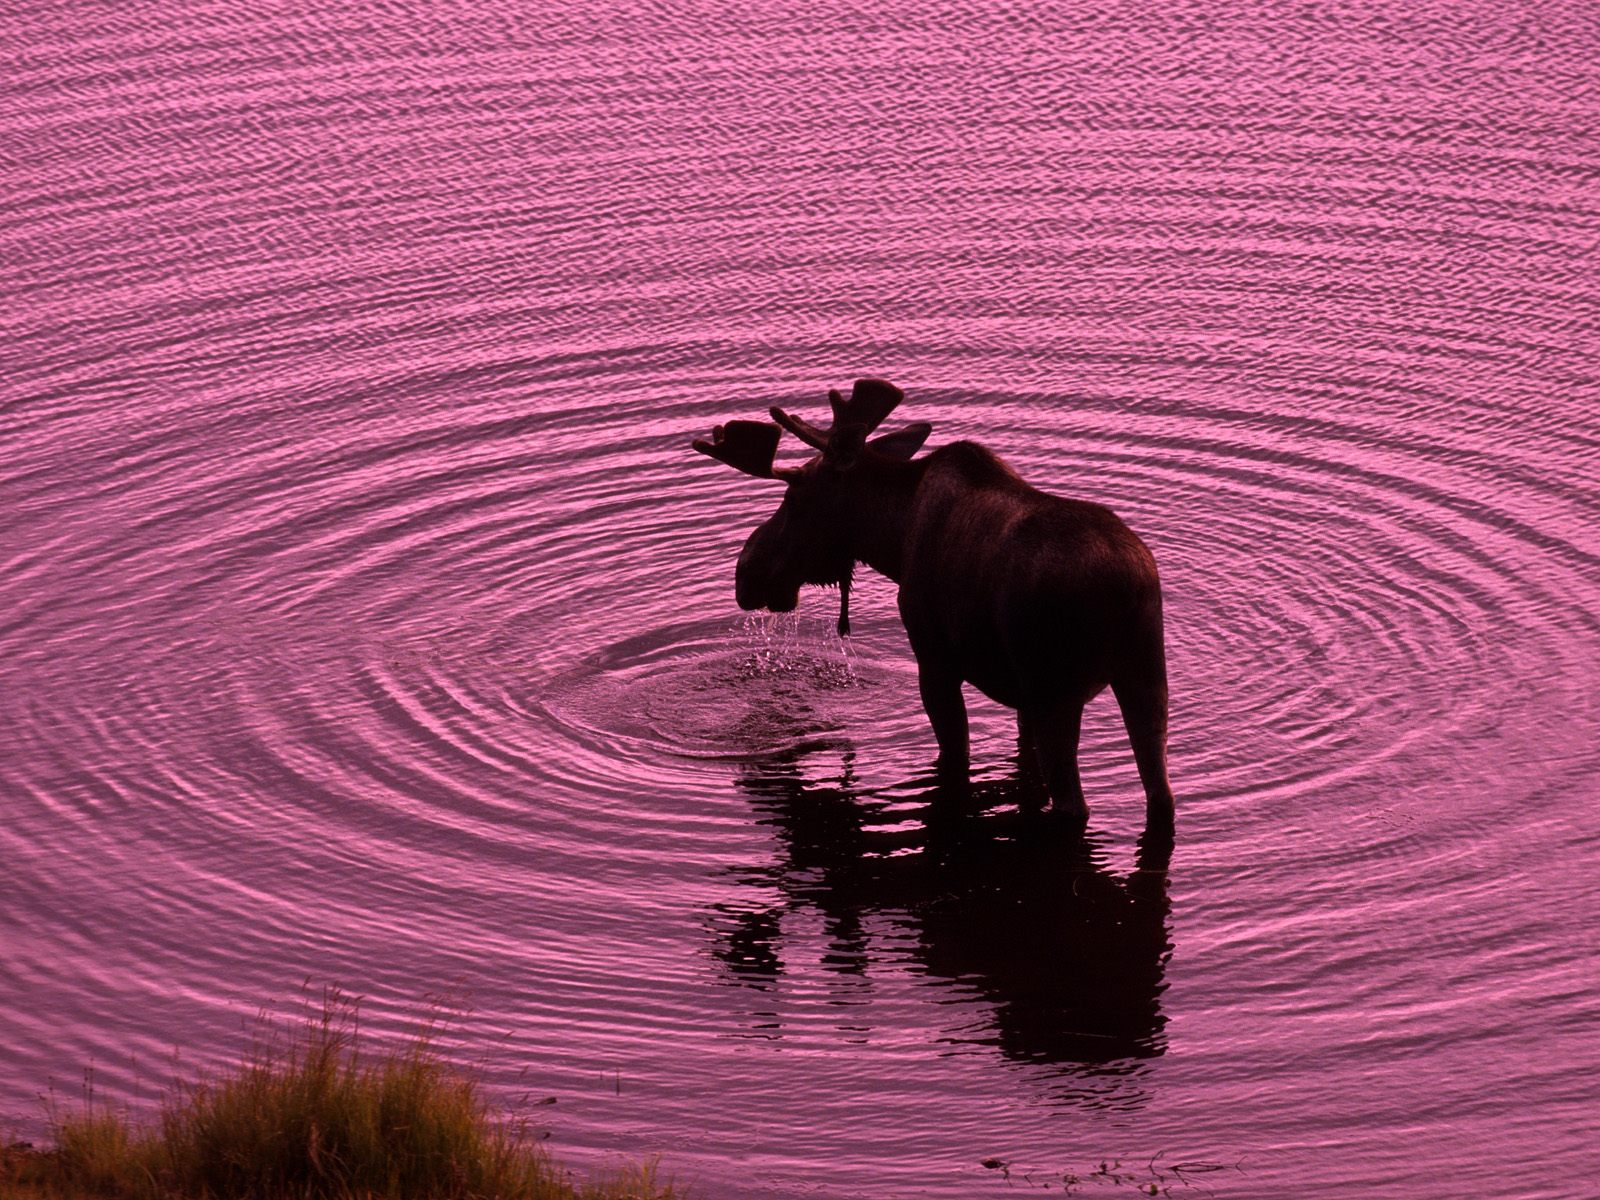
(750, 446)
(808, 433)
(871, 400)
(747, 446)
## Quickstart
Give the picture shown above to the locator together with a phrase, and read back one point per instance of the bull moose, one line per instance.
(1037, 601)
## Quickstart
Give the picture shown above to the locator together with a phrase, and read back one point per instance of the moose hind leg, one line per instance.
(947, 712)
(1143, 701)
(1055, 731)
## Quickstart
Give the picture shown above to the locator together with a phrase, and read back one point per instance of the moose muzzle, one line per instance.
(760, 580)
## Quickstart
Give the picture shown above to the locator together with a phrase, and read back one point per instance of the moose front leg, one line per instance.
(947, 712)
(1027, 756)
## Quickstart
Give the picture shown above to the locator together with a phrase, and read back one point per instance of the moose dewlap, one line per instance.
(1039, 602)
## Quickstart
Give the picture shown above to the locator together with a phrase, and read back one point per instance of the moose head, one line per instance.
(826, 517)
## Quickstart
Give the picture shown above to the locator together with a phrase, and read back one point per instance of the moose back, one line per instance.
(1037, 601)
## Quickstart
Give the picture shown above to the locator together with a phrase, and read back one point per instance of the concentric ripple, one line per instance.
(367, 620)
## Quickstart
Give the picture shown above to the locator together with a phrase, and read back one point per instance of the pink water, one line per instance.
(365, 617)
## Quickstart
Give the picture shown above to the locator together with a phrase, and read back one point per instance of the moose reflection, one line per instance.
(1067, 957)
(1037, 601)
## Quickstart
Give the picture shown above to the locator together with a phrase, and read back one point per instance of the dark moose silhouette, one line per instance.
(1037, 601)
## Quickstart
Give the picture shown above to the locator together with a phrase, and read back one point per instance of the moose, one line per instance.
(1037, 601)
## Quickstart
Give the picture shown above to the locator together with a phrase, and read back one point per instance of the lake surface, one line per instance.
(366, 619)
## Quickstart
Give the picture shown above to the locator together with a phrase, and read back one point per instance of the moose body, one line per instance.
(1037, 601)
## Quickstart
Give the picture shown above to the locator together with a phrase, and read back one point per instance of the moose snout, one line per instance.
(750, 599)
(758, 582)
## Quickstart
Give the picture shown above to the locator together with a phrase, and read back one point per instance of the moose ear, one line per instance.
(845, 444)
(902, 443)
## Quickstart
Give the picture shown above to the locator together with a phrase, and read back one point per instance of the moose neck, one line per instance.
(887, 493)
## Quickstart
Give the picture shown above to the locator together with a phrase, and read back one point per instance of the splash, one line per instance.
(789, 647)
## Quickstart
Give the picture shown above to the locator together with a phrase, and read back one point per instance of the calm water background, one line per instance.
(365, 618)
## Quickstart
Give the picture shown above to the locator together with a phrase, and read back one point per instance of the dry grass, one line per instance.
(309, 1116)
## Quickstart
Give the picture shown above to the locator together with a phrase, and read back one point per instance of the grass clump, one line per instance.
(312, 1117)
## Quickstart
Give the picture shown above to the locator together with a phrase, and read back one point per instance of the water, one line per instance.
(366, 618)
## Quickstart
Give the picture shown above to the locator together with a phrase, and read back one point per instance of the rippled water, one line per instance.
(366, 619)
